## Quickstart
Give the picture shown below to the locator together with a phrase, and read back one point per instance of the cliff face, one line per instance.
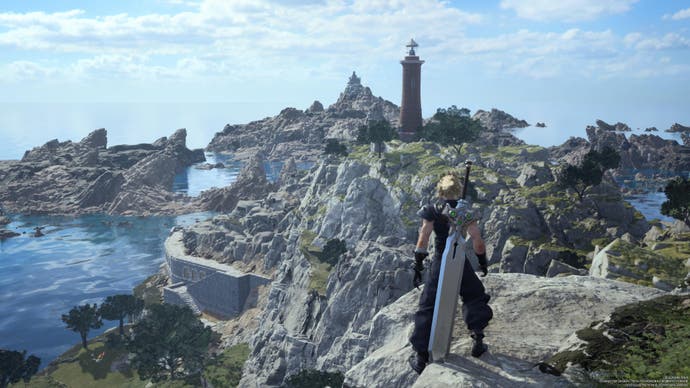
(301, 134)
(88, 177)
(325, 314)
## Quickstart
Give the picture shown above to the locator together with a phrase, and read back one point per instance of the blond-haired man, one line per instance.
(475, 309)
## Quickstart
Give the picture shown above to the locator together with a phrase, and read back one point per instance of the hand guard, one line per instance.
(483, 264)
(418, 268)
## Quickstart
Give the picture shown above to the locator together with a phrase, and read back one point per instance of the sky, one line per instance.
(566, 62)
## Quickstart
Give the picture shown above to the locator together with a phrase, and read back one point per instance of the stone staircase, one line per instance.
(179, 295)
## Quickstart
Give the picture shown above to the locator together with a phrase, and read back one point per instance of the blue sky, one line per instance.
(566, 62)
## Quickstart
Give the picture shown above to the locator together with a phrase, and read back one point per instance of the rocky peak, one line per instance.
(96, 139)
(291, 114)
(178, 139)
(354, 91)
(316, 107)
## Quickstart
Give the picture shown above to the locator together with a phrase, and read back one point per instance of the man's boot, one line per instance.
(478, 346)
(418, 361)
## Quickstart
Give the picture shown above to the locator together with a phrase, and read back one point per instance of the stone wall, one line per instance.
(215, 288)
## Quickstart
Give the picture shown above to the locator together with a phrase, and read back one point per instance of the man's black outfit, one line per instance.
(475, 309)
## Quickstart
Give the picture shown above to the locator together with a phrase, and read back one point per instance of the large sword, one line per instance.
(449, 281)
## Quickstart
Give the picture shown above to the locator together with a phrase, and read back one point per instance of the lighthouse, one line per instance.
(411, 105)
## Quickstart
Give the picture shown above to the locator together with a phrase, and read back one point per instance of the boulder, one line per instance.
(557, 268)
(5, 234)
(316, 107)
(662, 285)
(513, 255)
(654, 234)
(96, 139)
(535, 174)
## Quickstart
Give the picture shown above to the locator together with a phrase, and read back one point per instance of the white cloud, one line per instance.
(566, 10)
(19, 71)
(680, 15)
(668, 41)
(261, 39)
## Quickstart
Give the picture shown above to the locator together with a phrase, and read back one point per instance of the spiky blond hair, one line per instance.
(449, 186)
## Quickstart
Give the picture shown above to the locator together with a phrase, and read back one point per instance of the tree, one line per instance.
(13, 367)
(169, 342)
(452, 126)
(332, 250)
(590, 171)
(333, 146)
(678, 204)
(377, 132)
(117, 307)
(82, 319)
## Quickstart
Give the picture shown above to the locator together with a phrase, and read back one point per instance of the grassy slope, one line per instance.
(79, 368)
(645, 340)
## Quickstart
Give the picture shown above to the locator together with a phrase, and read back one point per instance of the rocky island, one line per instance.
(558, 263)
(90, 177)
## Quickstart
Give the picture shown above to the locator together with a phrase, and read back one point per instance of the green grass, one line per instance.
(150, 295)
(319, 270)
(80, 368)
(226, 369)
(667, 264)
(650, 341)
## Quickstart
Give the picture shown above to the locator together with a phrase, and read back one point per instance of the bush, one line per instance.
(334, 147)
(312, 378)
(332, 251)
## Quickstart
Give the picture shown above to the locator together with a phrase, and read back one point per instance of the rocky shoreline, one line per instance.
(89, 177)
(554, 259)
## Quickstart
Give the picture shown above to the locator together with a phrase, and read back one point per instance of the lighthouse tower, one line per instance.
(411, 106)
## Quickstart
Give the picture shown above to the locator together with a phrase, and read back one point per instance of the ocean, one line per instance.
(86, 258)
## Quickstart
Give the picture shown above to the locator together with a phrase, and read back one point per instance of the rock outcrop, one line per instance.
(88, 177)
(325, 313)
(301, 134)
(533, 318)
(638, 152)
(497, 120)
(617, 127)
(678, 128)
(251, 184)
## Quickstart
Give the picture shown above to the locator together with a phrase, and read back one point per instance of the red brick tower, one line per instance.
(411, 106)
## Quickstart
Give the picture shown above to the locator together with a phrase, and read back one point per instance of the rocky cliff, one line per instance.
(351, 313)
(302, 133)
(88, 177)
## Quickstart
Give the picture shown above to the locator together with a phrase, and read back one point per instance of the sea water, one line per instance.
(84, 259)
(79, 260)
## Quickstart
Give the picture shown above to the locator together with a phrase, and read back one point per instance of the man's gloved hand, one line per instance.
(483, 264)
(419, 257)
